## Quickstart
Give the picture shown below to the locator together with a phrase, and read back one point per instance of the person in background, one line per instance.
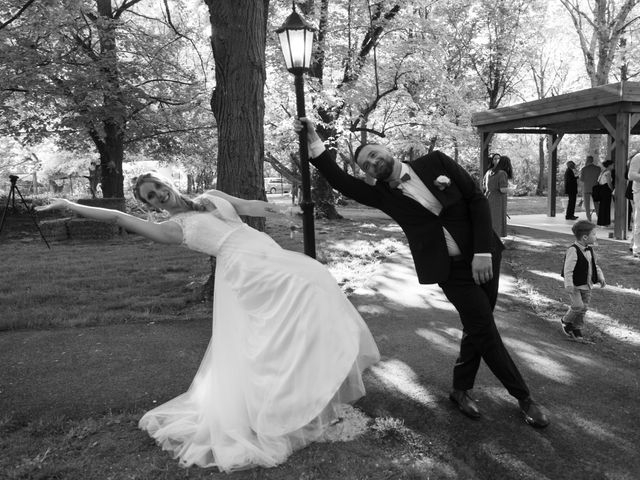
(571, 189)
(496, 187)
(493, 160)
(589, 176)
(634, 178)
(580, 271)
(604, 205)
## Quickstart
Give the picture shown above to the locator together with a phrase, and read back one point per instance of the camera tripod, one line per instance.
(11, 198)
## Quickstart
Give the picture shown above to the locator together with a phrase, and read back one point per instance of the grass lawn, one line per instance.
(527, 205)
(82, 290)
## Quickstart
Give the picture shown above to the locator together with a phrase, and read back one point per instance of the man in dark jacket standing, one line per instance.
(447, 222)
(571, 189)
(589, 177)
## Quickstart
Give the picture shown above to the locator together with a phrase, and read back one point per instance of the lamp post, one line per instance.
(296, 42)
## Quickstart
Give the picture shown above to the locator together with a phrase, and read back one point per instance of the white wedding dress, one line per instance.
(287, 349)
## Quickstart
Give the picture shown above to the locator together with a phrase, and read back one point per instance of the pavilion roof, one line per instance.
(592, 110)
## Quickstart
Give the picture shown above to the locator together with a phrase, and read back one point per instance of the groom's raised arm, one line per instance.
(346, 184)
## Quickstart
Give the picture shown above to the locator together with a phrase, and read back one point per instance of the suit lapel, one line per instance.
(428, 175)
(397, 194)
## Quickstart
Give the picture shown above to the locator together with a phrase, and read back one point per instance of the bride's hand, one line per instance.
(208, 205)
(56, 204)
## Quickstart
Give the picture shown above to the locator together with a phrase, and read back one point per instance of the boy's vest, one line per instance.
(581, 269)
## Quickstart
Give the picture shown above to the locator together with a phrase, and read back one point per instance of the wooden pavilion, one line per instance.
(612, 110)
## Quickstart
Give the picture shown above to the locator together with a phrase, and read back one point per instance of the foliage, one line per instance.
(131, 76)
(600, 27)
(404, 73)
(407, 75)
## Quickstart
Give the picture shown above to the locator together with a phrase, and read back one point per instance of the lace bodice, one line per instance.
(206, 232)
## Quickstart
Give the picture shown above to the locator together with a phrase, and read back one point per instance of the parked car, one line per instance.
(276, 185)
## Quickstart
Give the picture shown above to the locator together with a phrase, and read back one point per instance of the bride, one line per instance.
(287, 348)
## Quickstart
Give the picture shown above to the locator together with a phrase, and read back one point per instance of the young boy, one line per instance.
(580, 272)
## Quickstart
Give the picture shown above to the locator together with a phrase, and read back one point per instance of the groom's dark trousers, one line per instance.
(480, 337)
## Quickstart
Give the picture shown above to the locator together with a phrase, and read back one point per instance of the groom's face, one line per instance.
(376, 161)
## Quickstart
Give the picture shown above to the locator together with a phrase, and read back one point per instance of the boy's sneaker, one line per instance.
(567, 329)
(577, 336)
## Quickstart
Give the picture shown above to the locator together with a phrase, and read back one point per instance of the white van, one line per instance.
(276, 185)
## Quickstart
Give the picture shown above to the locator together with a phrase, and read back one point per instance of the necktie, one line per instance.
(395, 183)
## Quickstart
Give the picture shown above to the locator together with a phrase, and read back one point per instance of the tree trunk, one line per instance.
(110, 145)
(238, 35)
(238, 42)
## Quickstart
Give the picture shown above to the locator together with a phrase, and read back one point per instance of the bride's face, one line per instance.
(160, 196)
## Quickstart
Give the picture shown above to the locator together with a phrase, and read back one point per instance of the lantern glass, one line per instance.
(296, 47)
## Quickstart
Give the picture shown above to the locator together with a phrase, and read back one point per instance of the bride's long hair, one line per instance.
(166, 182)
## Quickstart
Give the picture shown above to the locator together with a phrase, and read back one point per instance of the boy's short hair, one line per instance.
(582, 227)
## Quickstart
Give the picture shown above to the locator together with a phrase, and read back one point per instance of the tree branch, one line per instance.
(167, 132)
(369, 130)
(123, 8)
(17, 14)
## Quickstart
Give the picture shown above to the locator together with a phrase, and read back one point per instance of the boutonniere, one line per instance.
(442, 182)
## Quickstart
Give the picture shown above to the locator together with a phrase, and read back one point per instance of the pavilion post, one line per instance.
(621, 153)
(485, 143)
(553, 174)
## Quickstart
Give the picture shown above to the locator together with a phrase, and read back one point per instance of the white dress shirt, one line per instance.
(416, 189)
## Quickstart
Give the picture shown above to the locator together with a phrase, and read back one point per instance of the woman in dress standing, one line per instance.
(287, 348)
(604, 206)
(496, 187)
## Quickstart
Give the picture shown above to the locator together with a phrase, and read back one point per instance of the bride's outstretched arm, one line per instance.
(254, 208)
(165, 232)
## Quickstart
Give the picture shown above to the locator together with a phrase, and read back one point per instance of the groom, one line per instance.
(447, 222)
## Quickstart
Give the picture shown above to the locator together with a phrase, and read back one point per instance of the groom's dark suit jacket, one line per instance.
(465, 211)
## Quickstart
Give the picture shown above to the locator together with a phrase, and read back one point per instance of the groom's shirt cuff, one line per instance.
(316, 148)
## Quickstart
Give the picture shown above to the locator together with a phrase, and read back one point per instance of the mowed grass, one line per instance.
(527, 205)
(129, 279)
(111, 447)
(98, 282)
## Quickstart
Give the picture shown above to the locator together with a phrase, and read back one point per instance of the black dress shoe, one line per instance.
(466, 404)
(532, 413)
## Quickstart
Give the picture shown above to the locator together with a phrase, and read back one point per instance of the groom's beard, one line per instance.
(385, 171)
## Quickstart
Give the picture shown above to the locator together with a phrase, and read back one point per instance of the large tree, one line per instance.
(100, 73)
(498, 56)
(238, 38)
(600, 24)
